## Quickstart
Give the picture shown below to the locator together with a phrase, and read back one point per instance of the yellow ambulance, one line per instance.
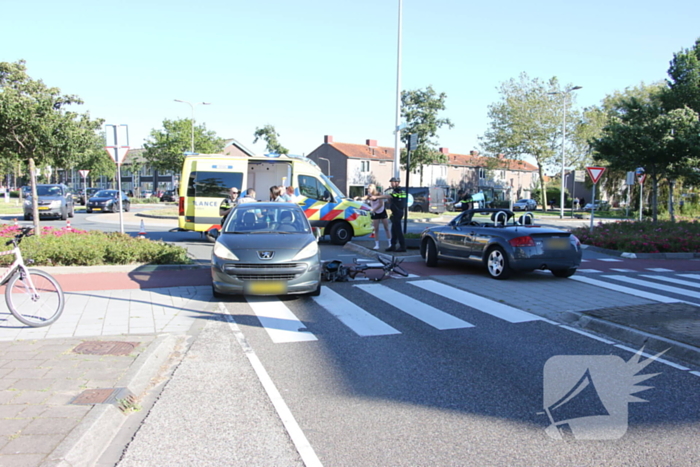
(207, 178)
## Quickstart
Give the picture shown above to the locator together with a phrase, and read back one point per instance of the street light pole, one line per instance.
(397, 121)
(192, 106)
(565, 93)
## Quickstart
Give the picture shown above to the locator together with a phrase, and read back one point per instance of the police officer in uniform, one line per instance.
(228, 204)
(397, 203)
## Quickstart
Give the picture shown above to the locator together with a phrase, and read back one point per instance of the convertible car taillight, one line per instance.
(522, 241)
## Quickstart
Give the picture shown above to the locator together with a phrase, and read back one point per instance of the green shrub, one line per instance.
(63, 247)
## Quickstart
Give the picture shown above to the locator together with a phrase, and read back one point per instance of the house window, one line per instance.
(364, 167)
(482, 173)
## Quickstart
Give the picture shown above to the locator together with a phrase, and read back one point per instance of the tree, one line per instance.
(528, 120)
(36, 126)
(420, 108)
(270, 135)
(165, 148)
(684, 83)
(666, 145)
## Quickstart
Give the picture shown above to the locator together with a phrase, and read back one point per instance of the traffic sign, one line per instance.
(641, 178)
(595, 173)
(84, 173)
(120, 154)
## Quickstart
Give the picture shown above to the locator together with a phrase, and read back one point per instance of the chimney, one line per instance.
(473, 153)
(328, 139)
(444, 150)
(502, 156)
(372, 143)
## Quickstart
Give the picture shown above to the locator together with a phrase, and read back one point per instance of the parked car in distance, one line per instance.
(107, 201)
(85, 194)
(266, 249)
(168, 196)
(525, 205)
(427, 199)
(600, 205)
(54, 200)
(503, 244)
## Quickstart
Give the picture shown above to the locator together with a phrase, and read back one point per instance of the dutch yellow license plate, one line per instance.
(43, 209)
(97, 209)
(558, 243)
(267, 288)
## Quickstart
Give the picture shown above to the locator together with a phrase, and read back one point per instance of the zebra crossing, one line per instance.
(675, 288)
(283, 326)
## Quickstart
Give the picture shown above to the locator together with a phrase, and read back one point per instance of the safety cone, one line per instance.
(142, 230)
(16, 224)
(372, 236)
(68, 224)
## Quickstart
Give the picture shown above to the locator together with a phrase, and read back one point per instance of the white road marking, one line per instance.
(696, 373)
(690, 276)
(419, 310)
(491, 307)
(351, 315)
(589, 270)
(648, 355)
(584, 333)
(622, 270)
(653, 285)
(627, 290)
(301, 442)
(659, 270)
(610, 260)
(279, 321)
(674, 280)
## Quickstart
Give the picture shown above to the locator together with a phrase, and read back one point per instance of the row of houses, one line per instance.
(352, 167)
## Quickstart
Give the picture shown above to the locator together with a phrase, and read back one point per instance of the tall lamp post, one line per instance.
(192, 106)
(565, 93)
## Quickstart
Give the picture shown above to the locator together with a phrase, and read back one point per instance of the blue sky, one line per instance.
(312, 67)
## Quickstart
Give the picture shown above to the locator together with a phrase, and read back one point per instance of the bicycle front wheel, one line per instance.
(35, 307)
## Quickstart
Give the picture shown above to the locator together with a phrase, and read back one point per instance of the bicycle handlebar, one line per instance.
(25, 232)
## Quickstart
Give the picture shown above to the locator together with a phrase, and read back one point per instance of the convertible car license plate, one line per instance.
(558, 243)
(266, 288)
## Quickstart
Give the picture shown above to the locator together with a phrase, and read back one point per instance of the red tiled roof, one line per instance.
(362, 151)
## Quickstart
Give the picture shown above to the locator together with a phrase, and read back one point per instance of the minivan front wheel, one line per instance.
(341, 233)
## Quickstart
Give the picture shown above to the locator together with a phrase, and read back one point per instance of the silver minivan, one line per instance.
(55, 200)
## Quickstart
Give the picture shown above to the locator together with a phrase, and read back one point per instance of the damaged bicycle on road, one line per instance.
(386, 265)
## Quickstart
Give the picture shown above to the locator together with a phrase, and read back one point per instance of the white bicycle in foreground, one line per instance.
(34, 297)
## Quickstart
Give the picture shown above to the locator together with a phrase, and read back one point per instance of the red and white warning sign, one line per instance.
(595, 173)
(641, 178)
(84, 173)
(117, 156)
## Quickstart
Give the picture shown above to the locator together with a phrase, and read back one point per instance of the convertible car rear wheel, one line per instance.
(497, 264)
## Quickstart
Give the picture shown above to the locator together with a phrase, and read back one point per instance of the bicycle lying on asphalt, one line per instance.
(336, 271)
(34, 297)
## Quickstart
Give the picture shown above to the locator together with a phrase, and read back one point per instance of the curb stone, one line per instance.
(94, 433)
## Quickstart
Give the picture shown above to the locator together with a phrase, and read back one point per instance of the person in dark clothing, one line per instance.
(397, 203)
(464, 201)
(228, 204)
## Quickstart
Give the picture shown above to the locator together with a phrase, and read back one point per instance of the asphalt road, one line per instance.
(446, 369)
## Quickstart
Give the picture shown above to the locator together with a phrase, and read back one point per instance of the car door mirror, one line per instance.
(318, 233)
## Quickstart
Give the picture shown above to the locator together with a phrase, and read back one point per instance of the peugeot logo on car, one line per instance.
(266, 254)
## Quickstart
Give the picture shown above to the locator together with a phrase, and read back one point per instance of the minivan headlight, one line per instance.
(308, 251)
(220, 251)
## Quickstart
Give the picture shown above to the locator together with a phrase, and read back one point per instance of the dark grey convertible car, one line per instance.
(503, 243)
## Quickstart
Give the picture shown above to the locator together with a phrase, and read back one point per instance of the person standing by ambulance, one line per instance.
(228, 204)
(397, 203)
